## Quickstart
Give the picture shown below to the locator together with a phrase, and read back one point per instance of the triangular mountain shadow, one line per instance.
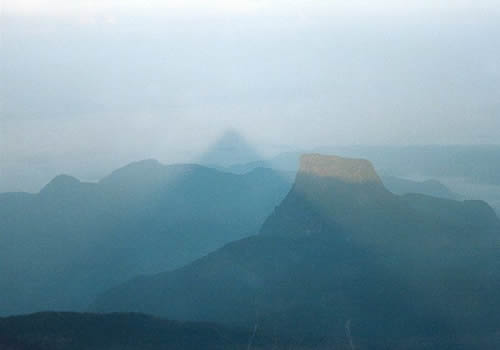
(342, 250)
(230, 148)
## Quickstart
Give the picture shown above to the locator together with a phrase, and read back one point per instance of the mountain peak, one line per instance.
(60, 183)
(135, 170)
(230, 148)
(329, 193)
(353, 171)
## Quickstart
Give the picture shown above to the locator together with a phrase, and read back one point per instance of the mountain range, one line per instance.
(75, 239)
(72, 240)
(478, 164)
(342, 258)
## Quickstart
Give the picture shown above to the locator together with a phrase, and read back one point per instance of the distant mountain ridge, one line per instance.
(463, 171)
(127, 331)
(74, 239)
(289, 162)
(475, 163)
(342, 248)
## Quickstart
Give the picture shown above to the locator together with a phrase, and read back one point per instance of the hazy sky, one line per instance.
(92, 84)
(259, 7)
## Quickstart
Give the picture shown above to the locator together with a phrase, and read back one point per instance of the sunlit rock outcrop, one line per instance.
(353, 171)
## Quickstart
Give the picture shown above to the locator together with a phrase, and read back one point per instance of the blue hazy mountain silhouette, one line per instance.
(342, 249)
(72, 240)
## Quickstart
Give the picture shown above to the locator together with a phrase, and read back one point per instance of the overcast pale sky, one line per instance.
(83, 7)
(92, 84)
